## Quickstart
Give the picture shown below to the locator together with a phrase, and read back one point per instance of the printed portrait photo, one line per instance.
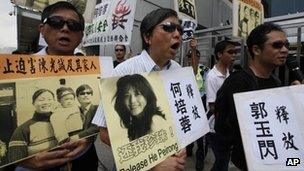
(138, 109)
(248, 18)
(40, 114)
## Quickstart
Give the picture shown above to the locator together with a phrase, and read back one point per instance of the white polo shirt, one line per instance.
(214, 81)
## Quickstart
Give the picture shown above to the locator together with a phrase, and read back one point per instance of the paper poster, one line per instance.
(112, 23)
(247, 14)
(152, 116)
(272, 128)
(46, 101)
(186, 11)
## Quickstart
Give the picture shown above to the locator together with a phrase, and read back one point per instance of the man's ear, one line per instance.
(41, 29)
(256, 50)
(219, 54)
(147, 38)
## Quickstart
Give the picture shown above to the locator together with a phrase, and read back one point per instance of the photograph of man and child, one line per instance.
(51, 112)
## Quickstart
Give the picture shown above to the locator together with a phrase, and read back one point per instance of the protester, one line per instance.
(224, 52)
(120, 52)
(161, 38)
(62, 28)
(268, 48)
(200, 72)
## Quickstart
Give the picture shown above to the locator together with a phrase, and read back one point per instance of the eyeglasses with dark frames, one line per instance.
(58, 22)
(171, 27)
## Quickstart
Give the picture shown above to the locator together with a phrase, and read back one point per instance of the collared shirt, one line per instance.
(214, 81)
(84, 111)
(42, 52)
(140, 64)
(136, 65)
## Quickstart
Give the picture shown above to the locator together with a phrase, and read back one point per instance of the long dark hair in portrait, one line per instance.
(138, 125)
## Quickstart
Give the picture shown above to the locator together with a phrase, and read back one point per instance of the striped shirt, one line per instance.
(136, 65)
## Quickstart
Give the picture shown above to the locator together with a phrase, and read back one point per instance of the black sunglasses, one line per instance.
(119, 50)
(88, 93)
(279, 44)
(171, 27)
(58, 22)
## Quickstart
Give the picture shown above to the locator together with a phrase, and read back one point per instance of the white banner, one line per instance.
(272, 128)
(112, 23)
(151, 116)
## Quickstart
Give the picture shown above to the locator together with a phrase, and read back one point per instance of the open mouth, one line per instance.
(175, 46)
(64, 40)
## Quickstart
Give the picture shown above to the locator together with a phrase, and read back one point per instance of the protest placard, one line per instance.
(271, 124)
(42, 101)
(247, 14)
(151, 116)
(186, 11)
(112, 23)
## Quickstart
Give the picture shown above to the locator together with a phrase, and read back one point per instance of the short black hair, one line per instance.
(151, 20)
(258, 35)
(49, 10)
(222, 45)
(123, 46)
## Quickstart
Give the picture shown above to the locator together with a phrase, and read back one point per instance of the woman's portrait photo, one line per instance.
(136, 105)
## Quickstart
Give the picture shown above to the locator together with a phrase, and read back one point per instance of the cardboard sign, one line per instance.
(112, 23)
(247, 14)
(272, 128)
(152, 116)
(186, 11)
(42, 102)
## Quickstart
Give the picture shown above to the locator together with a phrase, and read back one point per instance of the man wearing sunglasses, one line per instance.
(268, 48)
(161, 37)
(84, 94)
(62, 28)
(120, 52)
